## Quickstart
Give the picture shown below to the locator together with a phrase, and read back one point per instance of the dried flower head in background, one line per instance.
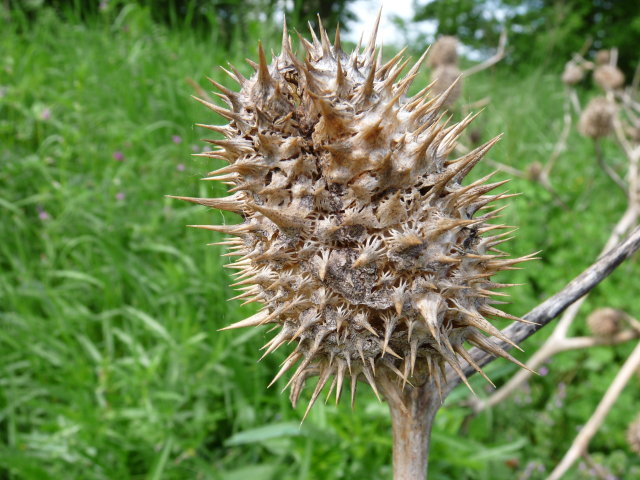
(603, 57)
(605, 322)
(534, 171)
(572, 73)
(596, 120)
(359, 239)
(608, 77)
(443, 52)
(447, 77)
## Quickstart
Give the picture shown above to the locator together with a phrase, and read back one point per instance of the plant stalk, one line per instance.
(412, 412)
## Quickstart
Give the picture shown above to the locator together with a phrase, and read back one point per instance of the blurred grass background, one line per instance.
(110, 363)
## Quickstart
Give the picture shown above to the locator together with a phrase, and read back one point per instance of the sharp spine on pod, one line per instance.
(359, 238)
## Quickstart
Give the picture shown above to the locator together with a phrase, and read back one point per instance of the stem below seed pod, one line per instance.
(412, 412)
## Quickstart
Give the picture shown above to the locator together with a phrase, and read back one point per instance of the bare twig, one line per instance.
(611, 173)
(559, 335)
(561, 144)
(581, 441)
(552, 307)
(489, 62)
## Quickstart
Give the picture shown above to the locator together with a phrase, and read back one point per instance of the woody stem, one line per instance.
(412, 412)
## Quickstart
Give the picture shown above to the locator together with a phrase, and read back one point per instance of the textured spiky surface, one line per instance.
(608, 77)
(596, 120)
(633, 435)
(358, 238)
(605, 322)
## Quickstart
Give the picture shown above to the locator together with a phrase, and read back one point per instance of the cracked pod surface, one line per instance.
(359, 239)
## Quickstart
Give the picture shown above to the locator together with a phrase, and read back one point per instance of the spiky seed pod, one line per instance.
(603, 57)
(572, 73)
(447, 77)
(605, 322)
(596, 120)
(608, 77)
(633, 435)
(358, 237)
(443, 52)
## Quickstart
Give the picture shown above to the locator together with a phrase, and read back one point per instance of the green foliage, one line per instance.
(110, 363)
(541, 31)
(228, 20)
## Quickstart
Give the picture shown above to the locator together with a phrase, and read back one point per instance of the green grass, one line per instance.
(110, 363)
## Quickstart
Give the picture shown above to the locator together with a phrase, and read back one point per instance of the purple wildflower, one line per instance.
(543, 371)
(180, 167)
(118, 156)
(120, 196)
(46, 114)
(176, 139)
(43, 214)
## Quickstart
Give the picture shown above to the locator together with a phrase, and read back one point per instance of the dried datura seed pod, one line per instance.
(608, 77)
(443, 52)
(447, 78)
(603, 57)
(534, 171)
(596, 119)
(572, 74)
(359, 239)
(605, 322)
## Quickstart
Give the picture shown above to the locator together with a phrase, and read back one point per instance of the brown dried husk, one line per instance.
(572, 73)
(447, 77)
(443, 52)
(358, 237)
(605, 322)
(596, 120)
(534, 171)
(608, 77)
(603, 57)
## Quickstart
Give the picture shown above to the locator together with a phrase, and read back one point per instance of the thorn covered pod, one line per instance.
(606, 322)
(572, 74)
(359, 239)
(596, 120)
(609, 77)
(443, 52)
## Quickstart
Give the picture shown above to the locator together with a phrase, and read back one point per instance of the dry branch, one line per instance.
(581, 441)
(552, 307)
(489, 62)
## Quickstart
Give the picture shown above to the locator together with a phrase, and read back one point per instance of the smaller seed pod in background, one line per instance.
(608, 77)
(443, 52)
(596, 120)
(572, 74)
(534, 170)
(633, 435)
(605, 322)
(445, 77)
(603, 57)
